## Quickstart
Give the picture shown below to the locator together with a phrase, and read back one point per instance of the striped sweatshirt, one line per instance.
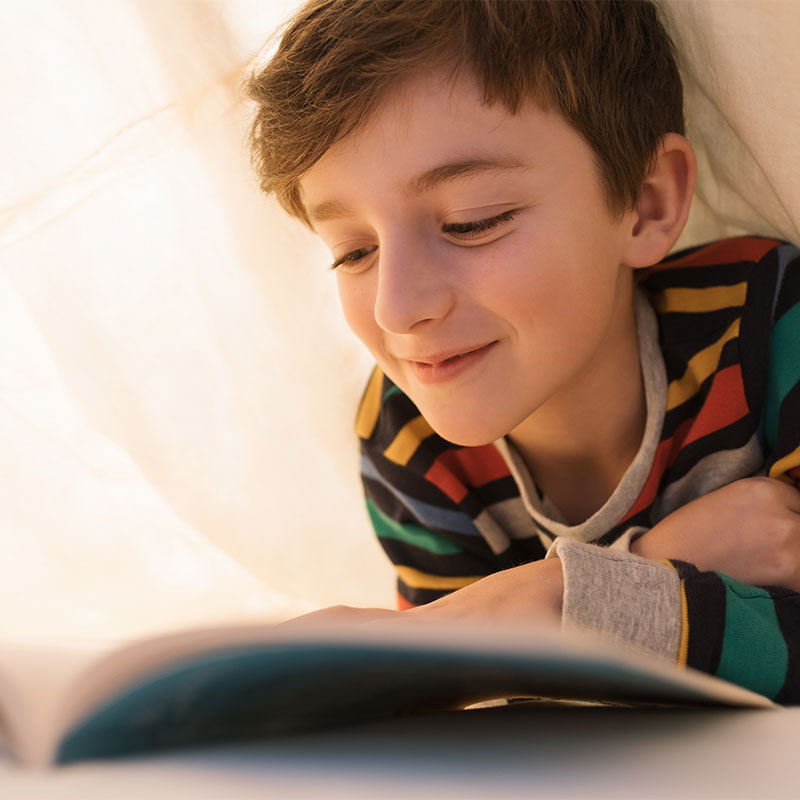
(719, 338)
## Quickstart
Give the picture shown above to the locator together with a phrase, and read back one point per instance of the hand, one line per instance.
(749, 529)
(344, 615)
(529, 593)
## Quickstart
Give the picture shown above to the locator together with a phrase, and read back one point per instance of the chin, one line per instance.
(463, 434)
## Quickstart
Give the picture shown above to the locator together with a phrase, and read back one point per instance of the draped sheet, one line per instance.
(177, 384)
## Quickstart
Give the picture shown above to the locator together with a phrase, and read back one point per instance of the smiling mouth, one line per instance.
(437, 360)
(460, 355)
(444, 367)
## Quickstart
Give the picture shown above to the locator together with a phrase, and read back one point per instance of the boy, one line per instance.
(557, 428)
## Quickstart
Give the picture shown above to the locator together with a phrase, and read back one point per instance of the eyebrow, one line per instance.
(426, 182)
(436, 176)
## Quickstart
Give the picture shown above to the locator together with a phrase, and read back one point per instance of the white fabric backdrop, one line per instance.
(177, 386)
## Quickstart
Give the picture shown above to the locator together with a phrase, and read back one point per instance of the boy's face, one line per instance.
(479, 262)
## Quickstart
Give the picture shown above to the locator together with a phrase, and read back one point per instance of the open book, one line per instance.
(232, 683)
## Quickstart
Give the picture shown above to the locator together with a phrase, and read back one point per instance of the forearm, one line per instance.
(685, 537)
(674, 541)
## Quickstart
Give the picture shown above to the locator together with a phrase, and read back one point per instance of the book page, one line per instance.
(34, 678)
(235, 683)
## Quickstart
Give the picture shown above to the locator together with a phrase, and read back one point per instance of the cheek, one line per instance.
(528, 281)
(358, 304)
(554, 291)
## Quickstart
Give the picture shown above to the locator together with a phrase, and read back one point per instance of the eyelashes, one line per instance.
(472, 229)
(354, 256)
(459, 230)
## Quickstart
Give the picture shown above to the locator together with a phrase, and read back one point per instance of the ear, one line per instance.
(664, 202)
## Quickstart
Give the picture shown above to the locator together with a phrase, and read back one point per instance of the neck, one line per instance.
(577, 452)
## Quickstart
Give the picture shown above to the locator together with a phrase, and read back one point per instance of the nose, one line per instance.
(414, 287)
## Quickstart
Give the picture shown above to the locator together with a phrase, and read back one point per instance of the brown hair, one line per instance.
(607, 66)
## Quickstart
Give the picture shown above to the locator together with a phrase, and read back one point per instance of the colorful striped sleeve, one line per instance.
(749, 635)
(781, 415)
(435, 546)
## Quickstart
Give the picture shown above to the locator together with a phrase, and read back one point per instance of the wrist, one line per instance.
(666, 539)
(639, 546)
(552, 584)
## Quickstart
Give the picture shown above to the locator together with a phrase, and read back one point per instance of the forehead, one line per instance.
(427, 131)
(418, 112)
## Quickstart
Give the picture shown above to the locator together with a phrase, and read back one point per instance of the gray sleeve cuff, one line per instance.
(621, 596)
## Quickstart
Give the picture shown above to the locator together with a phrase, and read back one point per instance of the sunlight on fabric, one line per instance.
(177, 385)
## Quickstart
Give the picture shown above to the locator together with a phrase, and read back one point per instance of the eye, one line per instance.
(472, 230)
(354, 256)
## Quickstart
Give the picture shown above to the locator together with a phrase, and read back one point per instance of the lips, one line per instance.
(448, 365)
(447, 356)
